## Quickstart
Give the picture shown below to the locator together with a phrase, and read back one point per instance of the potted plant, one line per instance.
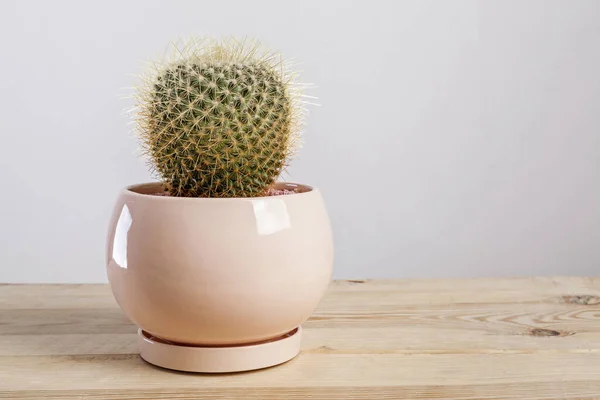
(218, 263)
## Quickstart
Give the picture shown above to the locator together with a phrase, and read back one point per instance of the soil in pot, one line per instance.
(271, 192)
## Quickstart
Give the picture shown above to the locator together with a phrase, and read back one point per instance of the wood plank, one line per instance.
(400, 292)
(579, 390)
(565, 319)
(391, 340)
(333, 370)
(17, 297)
(521, 338)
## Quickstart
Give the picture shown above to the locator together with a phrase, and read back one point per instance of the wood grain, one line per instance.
(525, 338)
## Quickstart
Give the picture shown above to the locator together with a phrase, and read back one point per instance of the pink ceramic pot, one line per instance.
(227, 271)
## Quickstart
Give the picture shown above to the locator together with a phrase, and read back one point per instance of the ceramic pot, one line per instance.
(209, 271)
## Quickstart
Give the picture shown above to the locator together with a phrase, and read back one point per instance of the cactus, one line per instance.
(221, 119)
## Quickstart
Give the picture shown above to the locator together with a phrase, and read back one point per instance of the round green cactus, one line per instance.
(222, 119)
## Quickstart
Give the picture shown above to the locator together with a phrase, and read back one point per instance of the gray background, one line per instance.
(454, 138)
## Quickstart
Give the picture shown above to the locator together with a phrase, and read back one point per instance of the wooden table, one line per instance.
(530, 338)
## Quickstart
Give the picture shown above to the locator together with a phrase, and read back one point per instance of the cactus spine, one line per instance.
(219, 119)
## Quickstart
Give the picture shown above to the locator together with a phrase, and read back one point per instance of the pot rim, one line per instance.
(133, 190)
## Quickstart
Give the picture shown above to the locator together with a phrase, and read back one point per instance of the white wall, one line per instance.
(455, 138)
